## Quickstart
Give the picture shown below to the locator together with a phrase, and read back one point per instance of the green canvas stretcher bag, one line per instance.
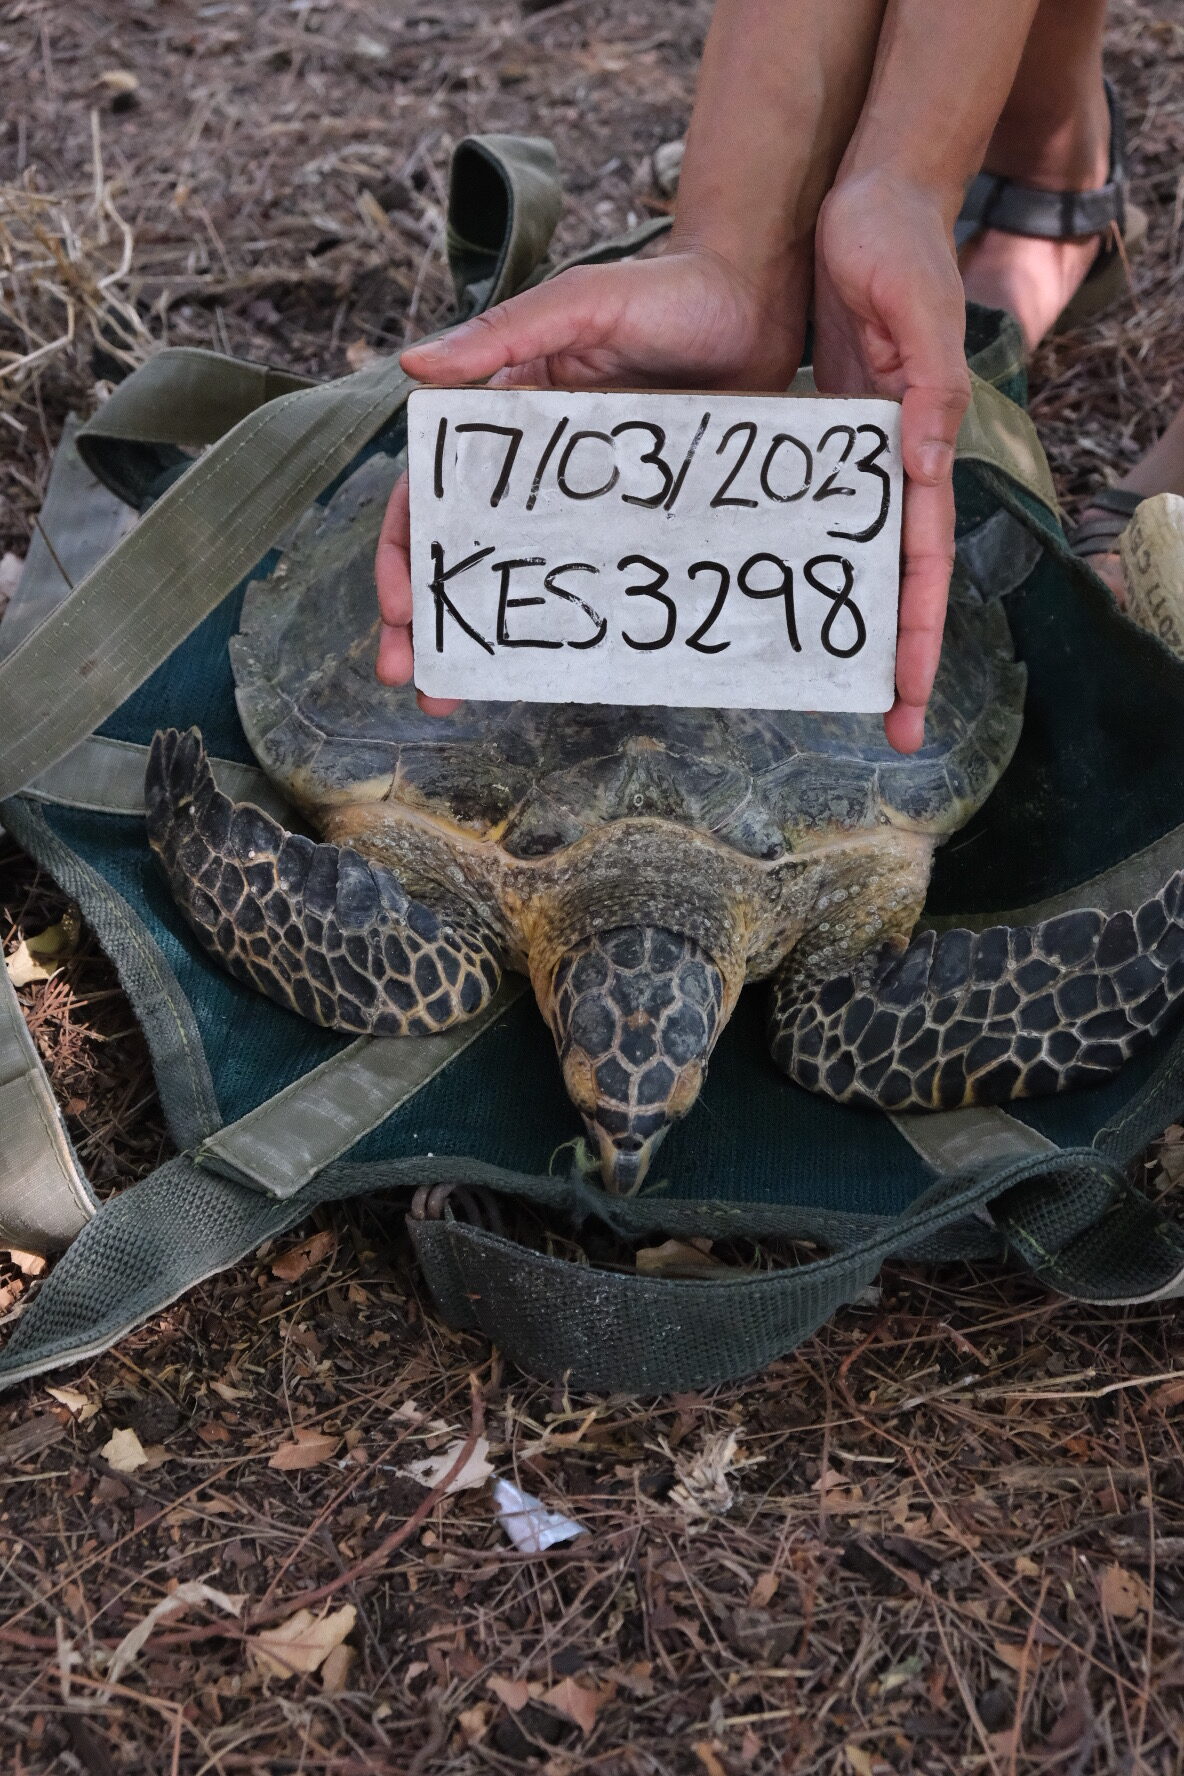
(272, 1116)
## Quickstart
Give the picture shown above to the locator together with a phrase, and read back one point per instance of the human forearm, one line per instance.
(941, 77)
(779, 92)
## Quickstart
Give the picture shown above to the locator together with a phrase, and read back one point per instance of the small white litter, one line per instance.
(528, 1523)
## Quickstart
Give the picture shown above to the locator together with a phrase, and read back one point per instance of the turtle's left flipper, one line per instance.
(982, 1017)
(315, 927)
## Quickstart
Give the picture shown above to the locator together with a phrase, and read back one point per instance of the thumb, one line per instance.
(540, 322)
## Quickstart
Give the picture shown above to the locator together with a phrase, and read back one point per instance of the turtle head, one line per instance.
(635, 1012)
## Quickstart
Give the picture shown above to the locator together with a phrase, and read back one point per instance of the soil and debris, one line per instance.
(947, 1535)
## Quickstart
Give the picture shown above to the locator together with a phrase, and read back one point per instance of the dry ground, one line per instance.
(958, 1544)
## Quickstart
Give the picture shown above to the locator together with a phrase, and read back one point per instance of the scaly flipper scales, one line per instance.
(315, 927)
(982, 1017)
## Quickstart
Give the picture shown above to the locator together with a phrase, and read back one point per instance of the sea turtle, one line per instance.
(640, 865)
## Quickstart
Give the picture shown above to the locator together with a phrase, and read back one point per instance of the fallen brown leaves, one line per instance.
(302, 1644)
(305, 1450)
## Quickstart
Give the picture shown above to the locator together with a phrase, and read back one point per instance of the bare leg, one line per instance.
(1160, 470)
(1054, 133)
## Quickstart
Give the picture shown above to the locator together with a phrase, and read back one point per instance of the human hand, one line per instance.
(683, 319)
(890, 319)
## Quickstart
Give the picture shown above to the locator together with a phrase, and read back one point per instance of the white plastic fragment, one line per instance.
(528, 1523)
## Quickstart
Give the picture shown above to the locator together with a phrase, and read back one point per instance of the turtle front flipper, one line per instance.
(317, 928)
(1017, 1011)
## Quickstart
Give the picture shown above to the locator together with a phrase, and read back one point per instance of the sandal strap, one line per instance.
(993, 201)
(1098, 535)
(1085, 546)
(1117, 499)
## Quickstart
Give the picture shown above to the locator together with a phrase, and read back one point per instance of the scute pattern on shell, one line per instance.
(316, 928)
(981, 1018)
(536, 777)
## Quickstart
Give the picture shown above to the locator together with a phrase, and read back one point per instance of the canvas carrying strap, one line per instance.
(279, 444)
(447, 1248)
(44, 1196)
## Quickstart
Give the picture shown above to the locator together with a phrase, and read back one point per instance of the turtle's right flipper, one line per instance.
(314, 927)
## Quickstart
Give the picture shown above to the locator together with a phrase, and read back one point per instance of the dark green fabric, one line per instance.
(1098, 771)
(504, 200)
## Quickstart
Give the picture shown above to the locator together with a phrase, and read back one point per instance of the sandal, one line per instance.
(1098, 535)
(993, 201)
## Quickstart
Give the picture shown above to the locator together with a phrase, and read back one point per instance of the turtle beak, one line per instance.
(635, 1013)
(625, 1160)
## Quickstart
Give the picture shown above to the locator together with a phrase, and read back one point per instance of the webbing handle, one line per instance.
(44, 1196)
(181, 400)
(287, 442)
(504, 200)
(611, 1330)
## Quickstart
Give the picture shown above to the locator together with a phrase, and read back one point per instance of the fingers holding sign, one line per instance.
(890, 320)
(392, 575)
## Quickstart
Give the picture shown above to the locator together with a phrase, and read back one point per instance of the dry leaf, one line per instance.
(475, 1472)
(309, 1448)
(1123, 1593)
(577, 1703)
(219, 1506)
(474, 1722)
(24, 967)
(124, 1452)
(637, 1678)
(290, 1266)
(1021, 1655)
(78, 1405)
(193, 1591)
(859, 1761)
(707, 1757)
(1170, 1394)
(1071, 1725)
(360, 354)
(335, 1670)
(763, 1591)
(39, 958)
(30, 1264)
(118, 80)
(301, 1644)
(230, 1394)
(513, 1691)
(702, 1488)
(678, 1258)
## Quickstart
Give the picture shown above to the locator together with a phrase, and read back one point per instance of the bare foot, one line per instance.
(1033, 278)
(1109, 568)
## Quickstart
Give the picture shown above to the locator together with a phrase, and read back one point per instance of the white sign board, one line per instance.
(711, 551)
